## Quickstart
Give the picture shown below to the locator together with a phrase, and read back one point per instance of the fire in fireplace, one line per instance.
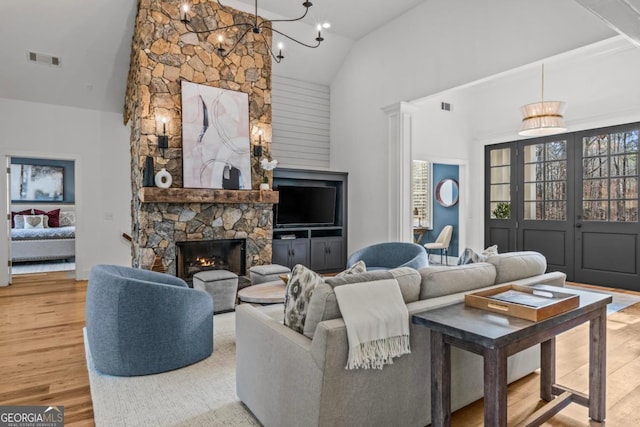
(203, 255)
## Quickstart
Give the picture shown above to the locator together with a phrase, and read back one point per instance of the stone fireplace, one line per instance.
(204, 255)
(163, 53)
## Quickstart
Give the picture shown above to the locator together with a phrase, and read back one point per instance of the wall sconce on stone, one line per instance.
(257, 149)
(163, 140)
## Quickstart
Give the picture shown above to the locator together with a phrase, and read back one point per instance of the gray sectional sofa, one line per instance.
(291, 379)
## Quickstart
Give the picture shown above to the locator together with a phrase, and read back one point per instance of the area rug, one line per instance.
(203, 394)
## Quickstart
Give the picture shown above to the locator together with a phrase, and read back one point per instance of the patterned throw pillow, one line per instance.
(34, 221)
(469, 256)
(297, 296)
(357, 268)
(491, 250)
(67, 219)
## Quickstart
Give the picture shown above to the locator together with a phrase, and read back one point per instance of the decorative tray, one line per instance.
(525, 302)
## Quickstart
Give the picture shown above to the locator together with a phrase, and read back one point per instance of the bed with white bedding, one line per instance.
(41, 244)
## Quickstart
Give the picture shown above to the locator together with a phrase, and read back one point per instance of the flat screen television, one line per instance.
(305, 205)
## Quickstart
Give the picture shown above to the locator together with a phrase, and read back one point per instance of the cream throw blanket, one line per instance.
(377, 322)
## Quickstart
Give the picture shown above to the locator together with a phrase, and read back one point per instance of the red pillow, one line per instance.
(54, 216)
(24, 212)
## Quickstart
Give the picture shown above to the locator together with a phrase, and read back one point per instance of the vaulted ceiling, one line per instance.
(92, 40)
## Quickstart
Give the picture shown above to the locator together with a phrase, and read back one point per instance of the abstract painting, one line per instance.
(37, 183)
(215, 137)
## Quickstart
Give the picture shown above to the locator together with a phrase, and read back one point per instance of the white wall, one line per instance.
(598, 82)
(436, 46)
(99, 144)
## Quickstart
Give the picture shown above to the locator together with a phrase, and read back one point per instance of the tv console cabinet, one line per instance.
(321, 248)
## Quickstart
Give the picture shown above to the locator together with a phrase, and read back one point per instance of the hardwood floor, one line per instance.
(42, 358)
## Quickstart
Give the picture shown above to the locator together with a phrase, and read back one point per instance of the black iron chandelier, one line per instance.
(255, 26)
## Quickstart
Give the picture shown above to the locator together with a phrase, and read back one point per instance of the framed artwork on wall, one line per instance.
(215, 138)
(37, 183)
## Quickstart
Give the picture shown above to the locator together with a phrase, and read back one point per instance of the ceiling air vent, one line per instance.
(445, 106)
(41, 58)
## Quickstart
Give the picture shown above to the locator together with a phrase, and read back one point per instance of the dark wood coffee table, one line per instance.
(496, 337)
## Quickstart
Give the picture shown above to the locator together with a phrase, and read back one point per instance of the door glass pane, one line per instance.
(595, 167)
(501, 157)
(595, 189)
(545, 181)
(555, 211)
(534, 210)
(556, 171)
(500, 185)
(610, 171)
(534, 191)
(500, 192)
(631, 142)
(624, 142)
(624, 165)
(534, 172)
(556, 190)
(596, 145)
(624, 210)
(595, 210)
(501, 175)
(556, 150)
(534, 153)
(624, 188)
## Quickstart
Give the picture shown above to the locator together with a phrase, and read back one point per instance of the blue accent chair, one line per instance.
(385, 256)
(141, 322)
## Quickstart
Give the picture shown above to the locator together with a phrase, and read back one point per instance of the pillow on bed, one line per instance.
(35, 221)
(67, 218)
(24, 212)
(54, 217)
(18, 221)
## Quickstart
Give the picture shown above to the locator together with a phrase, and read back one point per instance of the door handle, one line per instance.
(578, 225)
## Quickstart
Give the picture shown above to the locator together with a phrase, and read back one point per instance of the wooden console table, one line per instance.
(496, 337)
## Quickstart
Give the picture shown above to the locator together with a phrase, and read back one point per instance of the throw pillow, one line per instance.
(357, 268)
(54, 216)
(67, 219)
(23, 212)
(469, 256)
(491, 250)
(34, 221)
(297, 296)
(19, 221)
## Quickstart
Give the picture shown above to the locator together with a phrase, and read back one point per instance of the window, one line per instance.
(500, 185)
(545, 181)
(610, 177)
(422, 200)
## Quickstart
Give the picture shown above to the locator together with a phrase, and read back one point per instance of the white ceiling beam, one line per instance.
(621, 15)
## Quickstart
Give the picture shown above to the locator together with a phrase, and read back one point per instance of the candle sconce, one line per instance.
(257, 149)
(163, 140)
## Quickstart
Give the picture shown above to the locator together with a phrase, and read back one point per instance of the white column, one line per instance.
(399, 118)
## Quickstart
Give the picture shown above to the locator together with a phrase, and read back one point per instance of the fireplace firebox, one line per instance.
(203, 255)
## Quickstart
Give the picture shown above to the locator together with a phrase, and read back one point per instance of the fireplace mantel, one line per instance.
(203, 195)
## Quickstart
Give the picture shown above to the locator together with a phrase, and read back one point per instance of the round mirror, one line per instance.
(447, 192)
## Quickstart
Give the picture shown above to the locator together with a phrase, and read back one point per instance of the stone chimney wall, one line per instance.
(163, 53)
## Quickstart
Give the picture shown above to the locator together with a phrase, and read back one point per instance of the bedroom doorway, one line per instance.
(41, 207)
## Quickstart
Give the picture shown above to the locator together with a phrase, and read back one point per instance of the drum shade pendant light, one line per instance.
(544, 117)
